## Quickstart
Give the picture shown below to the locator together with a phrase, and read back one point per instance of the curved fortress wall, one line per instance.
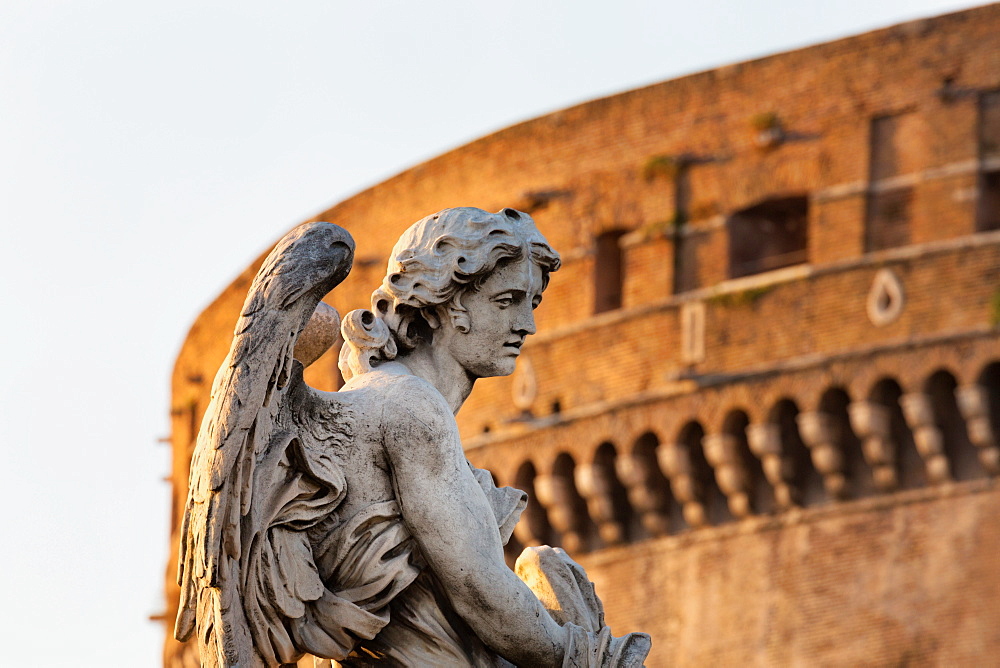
(763, 407)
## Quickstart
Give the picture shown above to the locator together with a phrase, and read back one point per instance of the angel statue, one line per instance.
(349, 525)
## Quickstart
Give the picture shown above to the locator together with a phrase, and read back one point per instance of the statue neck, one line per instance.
(440, 369)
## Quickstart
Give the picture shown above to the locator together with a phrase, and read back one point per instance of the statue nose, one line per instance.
(526, 322)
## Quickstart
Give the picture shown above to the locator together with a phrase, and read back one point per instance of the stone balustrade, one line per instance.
(829, 448)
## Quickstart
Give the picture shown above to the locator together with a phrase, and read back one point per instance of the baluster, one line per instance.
(821, 434)
(675, 463)
(721, 451)
(872, 423)
(555, 494)
(646, 492)
(918, 409)
(596, 485)
(973, 402)
(764, 439)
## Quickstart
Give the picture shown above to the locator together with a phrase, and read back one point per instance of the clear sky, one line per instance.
(149, 151)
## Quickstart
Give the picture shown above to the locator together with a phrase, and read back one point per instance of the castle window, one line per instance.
(890, 200)
(988, 216)
(769, 235)
(608, 272)
(988, 210)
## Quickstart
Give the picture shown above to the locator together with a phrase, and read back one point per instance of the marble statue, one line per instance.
(349, 525)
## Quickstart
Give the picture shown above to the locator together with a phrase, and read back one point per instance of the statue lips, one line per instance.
(514, 347)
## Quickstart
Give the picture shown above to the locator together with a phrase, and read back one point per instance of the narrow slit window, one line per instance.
(988, 208)
(889, 209)
(609, 272)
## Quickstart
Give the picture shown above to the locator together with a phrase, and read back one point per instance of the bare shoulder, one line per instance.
(402, 403)
(417, 433)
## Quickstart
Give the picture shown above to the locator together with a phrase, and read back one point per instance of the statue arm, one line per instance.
(448, 514)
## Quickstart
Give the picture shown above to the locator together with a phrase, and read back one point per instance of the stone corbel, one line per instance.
(821, 434)
(675, 463)
(918, 408)
(764, 439)
(555, 494)
(595, 483)
(872, 422)
(973, 402)
(646, 493)
(722, 453)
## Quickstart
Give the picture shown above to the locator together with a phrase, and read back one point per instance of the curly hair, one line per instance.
(434, 263)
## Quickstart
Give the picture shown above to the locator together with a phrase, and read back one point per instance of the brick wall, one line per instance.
(901, 579)
(910, 583)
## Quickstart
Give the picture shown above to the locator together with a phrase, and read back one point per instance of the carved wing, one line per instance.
(238, 567)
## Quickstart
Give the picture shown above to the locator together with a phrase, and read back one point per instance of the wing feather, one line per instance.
(244, 420)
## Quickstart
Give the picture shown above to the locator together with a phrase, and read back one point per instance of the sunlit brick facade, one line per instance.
(763, 406)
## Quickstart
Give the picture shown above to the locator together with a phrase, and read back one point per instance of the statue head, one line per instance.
(435, 262)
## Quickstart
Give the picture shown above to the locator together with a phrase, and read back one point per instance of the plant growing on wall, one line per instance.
(668, 166)
(767, 127)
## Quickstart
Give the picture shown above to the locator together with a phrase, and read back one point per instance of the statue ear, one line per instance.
(432, 318)
(458, 315)
(461, 321)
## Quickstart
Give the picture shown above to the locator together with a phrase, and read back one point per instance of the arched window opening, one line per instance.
(609, 271)
(858, 475)
(961, 453)
(910, 469)
(805, 480)
(664, 513)
(761, 493)
(712, 498)
(769, 235)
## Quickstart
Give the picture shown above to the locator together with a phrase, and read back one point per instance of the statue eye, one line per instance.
(503, 301)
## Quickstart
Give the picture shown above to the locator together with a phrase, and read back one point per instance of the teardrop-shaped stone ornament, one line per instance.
(886, 298)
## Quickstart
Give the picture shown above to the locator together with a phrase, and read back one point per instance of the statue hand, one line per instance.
(568, 595)
(603, 650)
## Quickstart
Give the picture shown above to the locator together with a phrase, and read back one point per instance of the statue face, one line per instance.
(500, 318)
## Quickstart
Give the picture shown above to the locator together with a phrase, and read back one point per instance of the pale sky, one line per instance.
(149, 151)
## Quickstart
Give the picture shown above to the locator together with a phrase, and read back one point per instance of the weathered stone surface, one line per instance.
(350, 525)
(321, 332)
